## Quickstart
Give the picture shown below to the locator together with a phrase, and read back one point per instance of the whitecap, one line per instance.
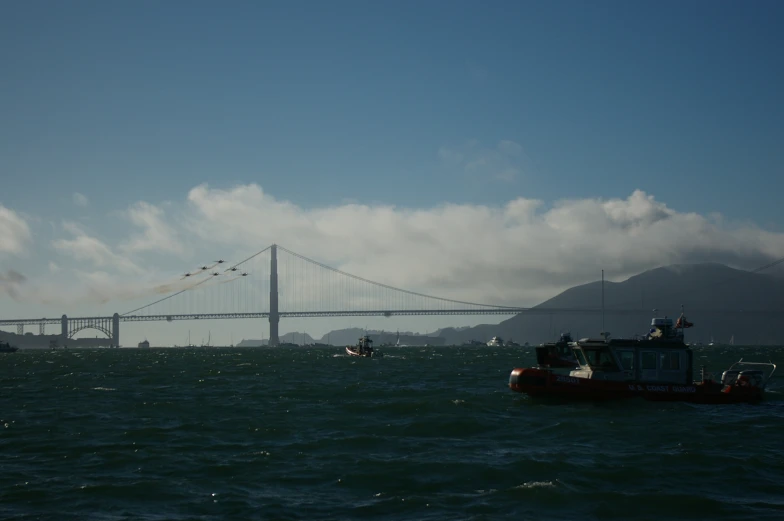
(536, 484)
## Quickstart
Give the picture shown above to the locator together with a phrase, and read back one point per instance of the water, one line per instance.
(424, 433)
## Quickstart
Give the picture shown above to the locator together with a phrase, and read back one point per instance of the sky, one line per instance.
(491, 152)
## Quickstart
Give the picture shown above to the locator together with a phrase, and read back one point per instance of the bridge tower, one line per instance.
(64, 328)
(116, 330)
(274, 318)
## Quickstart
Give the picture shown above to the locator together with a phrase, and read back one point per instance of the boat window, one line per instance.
(578, 353)
(627, 360)
(601, 358)
(648, 360)
(671, 361)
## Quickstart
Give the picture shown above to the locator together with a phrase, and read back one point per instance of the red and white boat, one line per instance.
(656, 367)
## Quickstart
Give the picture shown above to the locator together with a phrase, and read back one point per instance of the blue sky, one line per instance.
(405, 104)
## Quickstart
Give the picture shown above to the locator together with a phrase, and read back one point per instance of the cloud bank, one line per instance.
(518, 254)
(14, 232)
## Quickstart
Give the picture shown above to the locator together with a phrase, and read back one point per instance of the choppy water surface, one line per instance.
(424, 433)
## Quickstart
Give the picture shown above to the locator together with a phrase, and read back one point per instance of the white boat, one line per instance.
(496, 341)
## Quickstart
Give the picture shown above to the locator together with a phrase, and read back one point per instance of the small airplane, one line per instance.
(232, 269)
(220, 261)
(205, 267)
(186, 275)
(244, 275)
(215, 274)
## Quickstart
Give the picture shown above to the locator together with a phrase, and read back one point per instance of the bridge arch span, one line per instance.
(103, 330)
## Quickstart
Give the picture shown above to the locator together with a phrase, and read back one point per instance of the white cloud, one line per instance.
(80, 199)
(517, 254)
(450, 155)
(156, 235)
(14, 232)
(505, 162)
(509, 147)
(83, 247)
(54, 268)
(509, 174)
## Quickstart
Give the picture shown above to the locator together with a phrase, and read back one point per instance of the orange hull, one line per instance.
(537, 382)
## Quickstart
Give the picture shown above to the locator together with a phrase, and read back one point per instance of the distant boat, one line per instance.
(397, 343)
(732, 340)
(363, 349)
(5, 347)
(144, 344)
(496, 341)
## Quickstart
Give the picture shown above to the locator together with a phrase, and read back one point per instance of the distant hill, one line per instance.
(719, 300)
(351, 335)
(343, 337)
(289, 338)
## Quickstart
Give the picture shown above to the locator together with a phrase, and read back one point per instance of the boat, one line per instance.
(496, 341)
(363, 348)
(144, 344)
(511, 343)
(6, 347)
(557, 354)
(656, 367)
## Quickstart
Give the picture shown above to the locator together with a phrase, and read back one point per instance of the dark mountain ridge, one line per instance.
(722, 302)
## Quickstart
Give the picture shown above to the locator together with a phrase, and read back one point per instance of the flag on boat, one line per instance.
(682, 322)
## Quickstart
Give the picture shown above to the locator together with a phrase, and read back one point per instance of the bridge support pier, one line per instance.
(116, 330)
(20, 329)
(64, 328)
(274, 318)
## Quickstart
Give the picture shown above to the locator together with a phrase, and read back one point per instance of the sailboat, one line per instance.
(732, 340)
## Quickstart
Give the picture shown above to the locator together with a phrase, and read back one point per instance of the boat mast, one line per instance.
(683, 324)
(604, 335)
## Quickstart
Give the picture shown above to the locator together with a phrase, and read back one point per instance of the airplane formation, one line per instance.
(203, 269)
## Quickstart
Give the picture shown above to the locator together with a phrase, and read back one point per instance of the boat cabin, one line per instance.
(364, 345)
(660, 357)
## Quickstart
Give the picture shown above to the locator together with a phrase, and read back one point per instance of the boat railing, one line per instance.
(764, 364)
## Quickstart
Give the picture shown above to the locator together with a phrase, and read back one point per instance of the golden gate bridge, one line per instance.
(276, 283)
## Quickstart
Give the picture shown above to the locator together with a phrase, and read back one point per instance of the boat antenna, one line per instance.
(683, 323)
(604, 335)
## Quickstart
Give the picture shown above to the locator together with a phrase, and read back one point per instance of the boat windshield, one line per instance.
(599, 359)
